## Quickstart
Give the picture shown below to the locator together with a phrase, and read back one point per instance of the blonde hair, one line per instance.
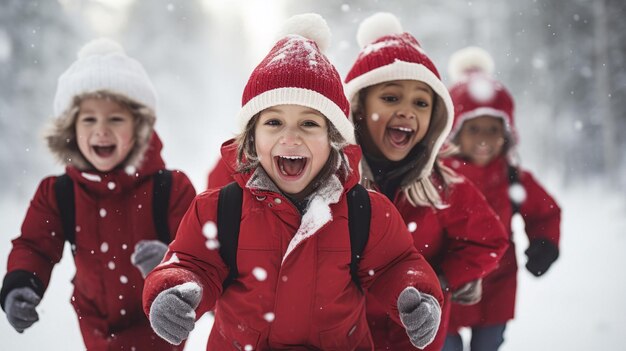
(61, 135)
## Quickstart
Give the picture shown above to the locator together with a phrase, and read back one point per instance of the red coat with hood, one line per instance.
(308, 287)
(463, 242)
(541, 215)
(113, 213)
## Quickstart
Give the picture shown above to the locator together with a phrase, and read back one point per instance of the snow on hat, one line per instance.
(387, 54)
(297, 72)
(475, 93)
(103, 65)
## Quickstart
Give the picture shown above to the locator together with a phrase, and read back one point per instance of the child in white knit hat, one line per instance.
(116, 204)
(294, 281)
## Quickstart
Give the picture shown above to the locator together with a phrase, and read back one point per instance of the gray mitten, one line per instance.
(469, 293)
(420, 314)
(148, 254)
(20, 306)
(173, 315)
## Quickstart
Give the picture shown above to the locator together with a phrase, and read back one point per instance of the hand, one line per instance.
(173, 315)
(148, 254)
(20, 306)
(420, 314)
(541, 254)
(469, 293)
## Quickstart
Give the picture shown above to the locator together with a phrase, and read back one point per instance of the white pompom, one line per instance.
(517, 193)
(102, 46)
(309, 25)
(376, 26)
(469, 59)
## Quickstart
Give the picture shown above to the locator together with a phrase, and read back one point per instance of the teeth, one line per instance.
(404, 129)
(293, 157)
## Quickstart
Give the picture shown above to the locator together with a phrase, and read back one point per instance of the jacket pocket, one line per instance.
(237, 336)
(348, 336)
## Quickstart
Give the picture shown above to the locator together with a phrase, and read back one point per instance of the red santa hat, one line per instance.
(475, 93)
(296, 72)
(387, 54)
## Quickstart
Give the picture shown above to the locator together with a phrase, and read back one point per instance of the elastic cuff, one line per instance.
(20, 279)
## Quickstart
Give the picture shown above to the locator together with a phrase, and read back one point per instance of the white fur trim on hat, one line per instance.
(309, 25)
(103, 65)
(468, 59)
(302, 97)
(377, 26)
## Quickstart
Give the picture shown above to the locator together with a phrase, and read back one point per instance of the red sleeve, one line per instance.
(182, 194)
(475, 236)
(219, 175)
(541, 214)
(40, 244)
(189, 259)
(391, 262)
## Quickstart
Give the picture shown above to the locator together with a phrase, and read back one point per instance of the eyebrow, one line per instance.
(308, 111)
(419, 87)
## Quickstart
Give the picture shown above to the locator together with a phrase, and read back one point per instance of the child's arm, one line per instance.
(39, 247)
(542, 217)
(476, 238)
(391, 262)
(189, 259)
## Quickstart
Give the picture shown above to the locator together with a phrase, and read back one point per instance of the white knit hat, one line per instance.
(103, 65)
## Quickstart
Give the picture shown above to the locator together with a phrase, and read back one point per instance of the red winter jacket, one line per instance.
(308, 287)
(113, 213)
(541, 215)
(463, 242)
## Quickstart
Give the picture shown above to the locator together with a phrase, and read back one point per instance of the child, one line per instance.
(105, 107)
(485, 135)
(402, 114)
(295, 163)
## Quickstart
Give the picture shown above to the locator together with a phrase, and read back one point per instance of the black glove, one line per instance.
(541, 254)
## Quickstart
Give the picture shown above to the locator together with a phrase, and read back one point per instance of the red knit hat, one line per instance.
(296, 72)
(387, 54)
(475, 93)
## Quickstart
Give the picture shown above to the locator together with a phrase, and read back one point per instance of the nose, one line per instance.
(101, 129)
(290, 137)
(406, 111)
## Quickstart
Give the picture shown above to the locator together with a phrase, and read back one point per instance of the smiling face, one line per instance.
(482, 139)
(292, 145)
(104, 132)
(396, 115)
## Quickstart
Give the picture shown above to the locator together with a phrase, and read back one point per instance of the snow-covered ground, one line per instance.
(579, 305)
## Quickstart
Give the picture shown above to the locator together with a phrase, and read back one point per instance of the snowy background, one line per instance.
(561, 59)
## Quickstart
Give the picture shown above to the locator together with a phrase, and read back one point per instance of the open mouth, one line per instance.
(103, 150)
(400, 136)
(291, 166)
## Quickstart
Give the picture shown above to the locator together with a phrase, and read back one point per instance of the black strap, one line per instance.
(513, 174)
(64, 193)
(228, 221)
(359, 217)
(160, 203)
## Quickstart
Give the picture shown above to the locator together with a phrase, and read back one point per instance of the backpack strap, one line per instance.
(359, 217)
(228, 222)
(513, 174)
(160, 203)
(64, 193)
